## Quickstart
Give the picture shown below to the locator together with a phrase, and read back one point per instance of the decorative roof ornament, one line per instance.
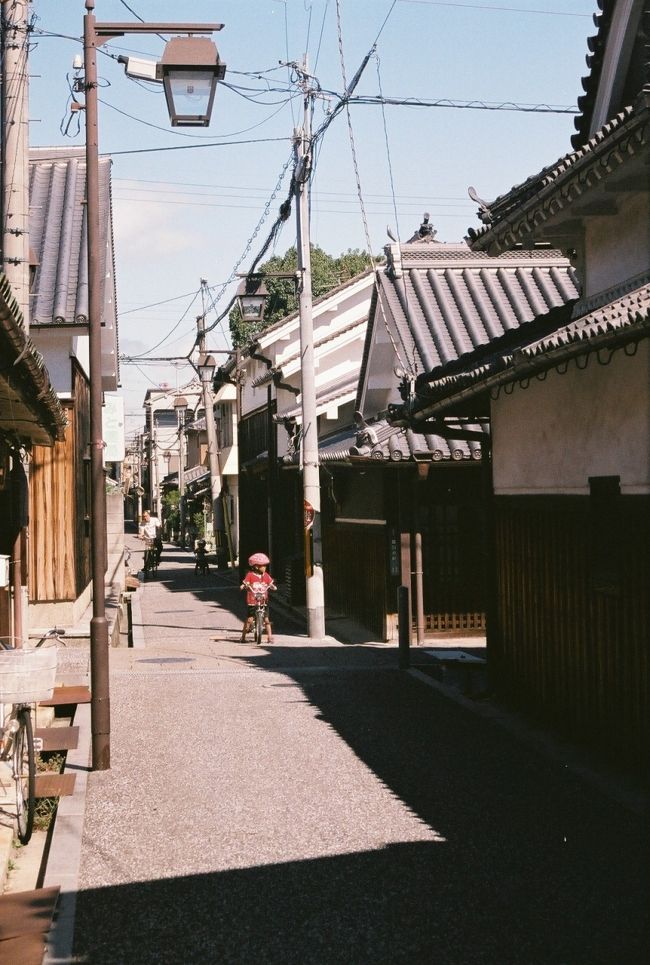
(425, 233)
(484, 212)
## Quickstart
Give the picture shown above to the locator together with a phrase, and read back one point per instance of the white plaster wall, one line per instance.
(550, 437)
(56, 347)
(618, 247)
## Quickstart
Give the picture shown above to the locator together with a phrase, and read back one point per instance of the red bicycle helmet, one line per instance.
(258, 559)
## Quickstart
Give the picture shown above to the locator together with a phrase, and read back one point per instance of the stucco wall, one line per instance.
(550, 437)
(618, 247)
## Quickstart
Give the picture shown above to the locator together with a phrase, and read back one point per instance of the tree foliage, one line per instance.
(327, 273)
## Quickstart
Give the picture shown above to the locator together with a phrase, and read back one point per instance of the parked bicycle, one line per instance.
(17, 743)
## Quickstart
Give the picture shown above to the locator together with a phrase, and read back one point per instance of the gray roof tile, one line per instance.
(445, 307)
(57, 226)
(606, 322)
(382, 442)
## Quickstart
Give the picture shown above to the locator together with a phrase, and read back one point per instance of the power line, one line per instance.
(492, 7)
(465, 105)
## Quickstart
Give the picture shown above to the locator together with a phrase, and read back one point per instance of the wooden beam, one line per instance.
(57, 738)
(55, 785)
(67, 695)
(26, 911)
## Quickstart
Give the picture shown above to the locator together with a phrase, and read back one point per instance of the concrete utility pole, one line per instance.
(310, 471)
(15, 150)
(207, 367)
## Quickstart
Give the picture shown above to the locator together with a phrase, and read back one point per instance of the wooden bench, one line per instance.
(25, 919)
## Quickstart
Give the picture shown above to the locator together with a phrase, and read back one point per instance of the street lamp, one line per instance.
(180, 405)
(206, 368)
(252, 295)
(94, 35)
(190, 68)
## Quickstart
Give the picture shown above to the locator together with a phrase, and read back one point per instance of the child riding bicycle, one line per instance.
(201, 553)
(257, 582)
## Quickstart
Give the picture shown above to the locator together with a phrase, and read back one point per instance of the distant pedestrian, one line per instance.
(257, 582)
(150, 529)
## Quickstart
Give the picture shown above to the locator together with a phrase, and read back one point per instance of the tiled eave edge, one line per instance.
(564, 183)
(623, 323)
(29, 364)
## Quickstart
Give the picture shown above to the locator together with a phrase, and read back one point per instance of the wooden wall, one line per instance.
(572, 641)
(59, 550)
(354, 566)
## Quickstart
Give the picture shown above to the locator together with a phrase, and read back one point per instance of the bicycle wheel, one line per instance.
(259, 626)
(25, 775)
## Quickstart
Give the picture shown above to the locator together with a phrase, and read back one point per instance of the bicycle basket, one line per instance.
(27, 675)
(149, 544)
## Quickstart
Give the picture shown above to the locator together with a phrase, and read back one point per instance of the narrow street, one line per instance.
(310, 803)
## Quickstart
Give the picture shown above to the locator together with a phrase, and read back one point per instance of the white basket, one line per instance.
(27, 675)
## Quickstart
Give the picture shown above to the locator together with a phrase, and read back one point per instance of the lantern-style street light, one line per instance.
(190, 68)
(252, 295)
(96, 34)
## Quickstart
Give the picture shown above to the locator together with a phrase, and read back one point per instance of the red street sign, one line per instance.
(309, 515)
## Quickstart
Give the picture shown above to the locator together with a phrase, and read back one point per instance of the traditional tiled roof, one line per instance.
(379, 441)
(514, 217)
(441, 302)
(58, 232)
(382, 442)
(631, 32)
(604, 323)
(594, 58)
(29, 407)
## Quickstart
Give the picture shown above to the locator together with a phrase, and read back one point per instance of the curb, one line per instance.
(65, 848)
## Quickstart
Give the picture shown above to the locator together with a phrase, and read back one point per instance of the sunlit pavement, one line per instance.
(307, 802)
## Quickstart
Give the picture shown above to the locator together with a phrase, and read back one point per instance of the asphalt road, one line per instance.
(309, 803)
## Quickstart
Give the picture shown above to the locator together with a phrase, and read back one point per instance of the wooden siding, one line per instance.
(51, 546)
(59, 550)
(355, 573)
(567, 650)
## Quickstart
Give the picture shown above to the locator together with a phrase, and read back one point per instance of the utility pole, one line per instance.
(100, 712)
(310, 470)
(14, 208)
(206, 367)
(15, 150)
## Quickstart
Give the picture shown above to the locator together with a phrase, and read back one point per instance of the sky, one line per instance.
(198, 204)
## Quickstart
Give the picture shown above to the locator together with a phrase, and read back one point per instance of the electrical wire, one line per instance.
(171, 332)
(191, 147)
(353, 149)
(466, 105)
(498, 9)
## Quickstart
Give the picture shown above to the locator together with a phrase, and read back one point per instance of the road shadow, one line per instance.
(402, 903)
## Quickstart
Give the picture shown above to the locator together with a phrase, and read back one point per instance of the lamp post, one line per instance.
(206, 367)
(180, 405)
(94, 35)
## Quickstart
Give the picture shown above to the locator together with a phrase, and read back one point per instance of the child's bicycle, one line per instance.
(201, 567)
(261, 600)
(17, 745)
